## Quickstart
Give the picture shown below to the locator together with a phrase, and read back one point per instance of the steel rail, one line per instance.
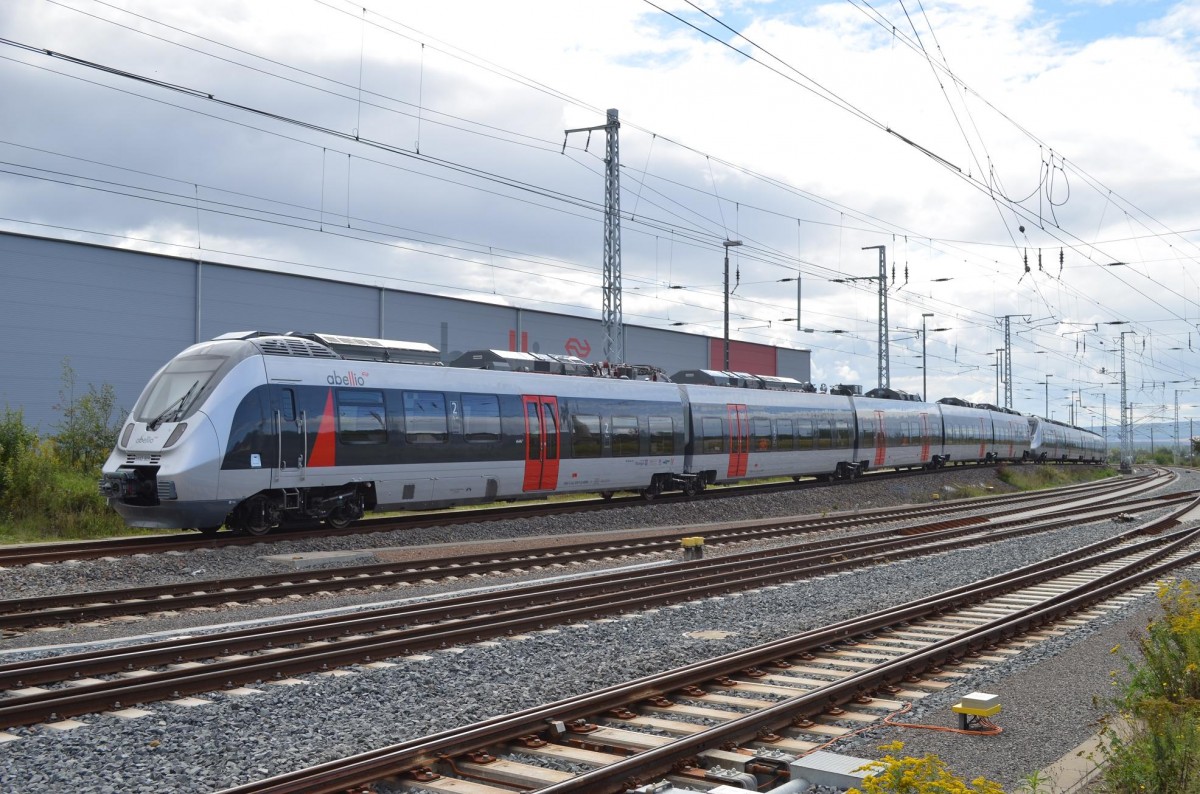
(24, 554)
(376, 764)
(589, 601)
(66, 607)
(858, 543)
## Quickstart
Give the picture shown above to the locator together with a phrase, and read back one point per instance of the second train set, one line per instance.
(253, 431)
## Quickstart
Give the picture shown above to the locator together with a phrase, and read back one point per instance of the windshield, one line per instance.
(177, 388)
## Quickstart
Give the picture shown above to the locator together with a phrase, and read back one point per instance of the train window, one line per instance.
(425, 417)
(481, 418)
(625, 441)
(714, 434)
(824, 434)
(585, 436)
(785, 438)
(550, 412)
(807, 433)
(843, 434)
(361, 417)
(662, 435)
(760, 435)
(287, 405)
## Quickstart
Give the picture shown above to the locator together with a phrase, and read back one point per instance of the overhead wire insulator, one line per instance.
(1026, 259)
(1060, 262)
(1040, 268)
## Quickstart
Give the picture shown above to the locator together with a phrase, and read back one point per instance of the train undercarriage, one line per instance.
(337, 506)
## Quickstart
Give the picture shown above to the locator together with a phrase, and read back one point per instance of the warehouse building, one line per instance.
(114, 316)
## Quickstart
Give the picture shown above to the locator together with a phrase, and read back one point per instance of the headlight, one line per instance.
(176, 435)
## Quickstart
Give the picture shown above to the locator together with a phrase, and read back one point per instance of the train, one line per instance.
(257, 430)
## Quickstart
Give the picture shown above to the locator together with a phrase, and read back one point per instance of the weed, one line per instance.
(1161, 753)
(926, 775)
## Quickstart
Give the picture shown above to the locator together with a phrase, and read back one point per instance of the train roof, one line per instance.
(744, 380)
(358, 348)
(520, 361)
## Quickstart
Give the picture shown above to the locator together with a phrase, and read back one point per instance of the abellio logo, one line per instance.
(347, 379)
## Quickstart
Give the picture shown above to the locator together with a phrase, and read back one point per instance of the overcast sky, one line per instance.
(1006, 153)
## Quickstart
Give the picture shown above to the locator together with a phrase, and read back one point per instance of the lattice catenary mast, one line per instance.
(614, 325)
(885, 375)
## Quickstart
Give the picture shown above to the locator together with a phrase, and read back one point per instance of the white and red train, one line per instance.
(252, 431)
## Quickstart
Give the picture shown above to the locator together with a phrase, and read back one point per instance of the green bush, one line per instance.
(90, 424)
(46, 499)
(48, 485)
(16, 440)
(1161, 755)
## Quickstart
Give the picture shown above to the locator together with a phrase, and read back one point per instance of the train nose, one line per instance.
(167, 477)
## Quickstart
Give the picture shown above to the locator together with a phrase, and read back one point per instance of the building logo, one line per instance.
(348, 379)
(578, 347)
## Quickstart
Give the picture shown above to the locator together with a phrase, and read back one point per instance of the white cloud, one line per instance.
(1121, 110)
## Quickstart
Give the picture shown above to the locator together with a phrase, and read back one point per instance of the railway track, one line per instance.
(744, 717)
(47, 553)
(74, 607)
(182, 666)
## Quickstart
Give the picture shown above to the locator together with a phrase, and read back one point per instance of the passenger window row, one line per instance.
(626, 436)
(789, 435)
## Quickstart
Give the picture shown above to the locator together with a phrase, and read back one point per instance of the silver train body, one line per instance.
(1061, 443)
(255, 431)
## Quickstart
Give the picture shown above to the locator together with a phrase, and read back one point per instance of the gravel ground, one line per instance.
(231, 740)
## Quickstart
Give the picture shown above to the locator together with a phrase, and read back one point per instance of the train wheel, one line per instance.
(651, 493)
(256, 515)
(693, 487)
(338, 520)
(607, 495)
(348, 512)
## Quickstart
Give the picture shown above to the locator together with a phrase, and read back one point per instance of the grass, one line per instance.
(1033, 478)
(69, 508)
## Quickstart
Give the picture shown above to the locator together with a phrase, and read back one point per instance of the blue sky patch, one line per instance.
(1083, 21)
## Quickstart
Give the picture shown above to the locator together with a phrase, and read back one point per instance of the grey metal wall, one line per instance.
(118, 315)
(115, 315)
(794, 364)
(237, 299)
(665, 349)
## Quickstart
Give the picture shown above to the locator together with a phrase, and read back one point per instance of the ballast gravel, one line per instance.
(1047, 692)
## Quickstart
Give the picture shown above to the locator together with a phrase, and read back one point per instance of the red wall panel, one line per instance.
(743, 357)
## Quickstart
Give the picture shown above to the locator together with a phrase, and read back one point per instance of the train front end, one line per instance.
(164, 472)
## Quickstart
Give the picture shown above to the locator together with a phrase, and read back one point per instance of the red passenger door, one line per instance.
(880, 440)
(924, 438)
(541, 443)
(739, 439)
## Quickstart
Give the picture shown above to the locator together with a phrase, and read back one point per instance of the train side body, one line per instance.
(739, 434)
(983, 435)
(897, 433)
(254, 431)
(377, 436)
(1054, 441)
